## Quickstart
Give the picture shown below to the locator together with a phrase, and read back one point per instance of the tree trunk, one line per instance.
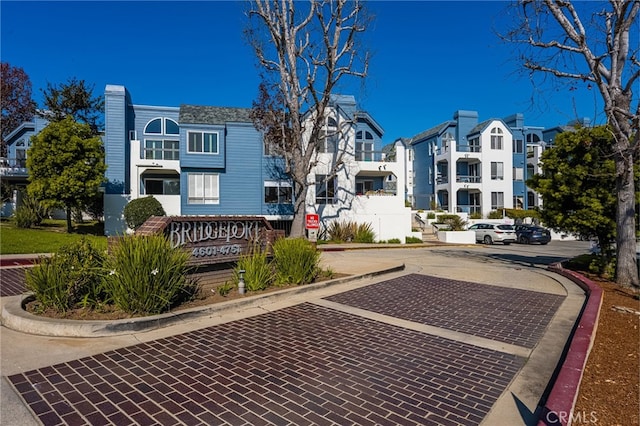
(69, 224)
(626, 266)
(299, 209)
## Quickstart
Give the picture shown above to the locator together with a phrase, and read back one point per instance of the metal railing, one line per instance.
(365, 155)
(13, 166)
(468, 179)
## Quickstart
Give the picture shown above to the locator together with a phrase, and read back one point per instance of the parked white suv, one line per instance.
(489, 233)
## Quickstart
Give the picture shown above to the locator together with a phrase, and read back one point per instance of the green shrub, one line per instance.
(341, 231)
(225, 289)
(258, 272)
(453, 222)
(37, 208)
(69, 277)
(413, 240)
(48, 283)
(145, 275)
(393, 241)
(495, 214)
(139, 210)
(349, 231)
(364, 233)
(475, 215)
(295, 260)
(24, 217)
(431, 215)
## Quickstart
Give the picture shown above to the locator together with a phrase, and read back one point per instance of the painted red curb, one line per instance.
(17, 262)
(558, 409)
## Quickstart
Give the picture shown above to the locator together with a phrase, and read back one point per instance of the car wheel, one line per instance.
(524, 240)
(487, 239)
(544, 244)
(506, 243)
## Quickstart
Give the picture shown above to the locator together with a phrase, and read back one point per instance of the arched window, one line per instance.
(165, 142)
(496, 138)
(364, 146)
(171, 127)
(329, 137)
(154, 127)
(533, 138)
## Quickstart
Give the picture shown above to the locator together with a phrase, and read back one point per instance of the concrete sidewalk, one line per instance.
(456, 312)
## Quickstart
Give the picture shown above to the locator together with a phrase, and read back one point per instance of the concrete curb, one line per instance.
(558, 408)
(14, 316)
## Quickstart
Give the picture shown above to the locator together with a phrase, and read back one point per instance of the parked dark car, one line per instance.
(529, 234)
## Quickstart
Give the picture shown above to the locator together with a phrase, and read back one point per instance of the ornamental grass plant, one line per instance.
(145, 275)
(258, 271)
(296, 261)
(68, 278)
(349, 231)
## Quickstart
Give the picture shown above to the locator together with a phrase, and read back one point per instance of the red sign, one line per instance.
(312, 221)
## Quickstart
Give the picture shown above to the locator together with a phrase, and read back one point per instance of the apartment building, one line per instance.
(208, 160)
(463, 165)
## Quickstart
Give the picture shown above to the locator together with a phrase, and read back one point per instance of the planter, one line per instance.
(457, 237)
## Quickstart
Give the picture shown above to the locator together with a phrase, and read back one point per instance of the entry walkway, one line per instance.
(428, 345)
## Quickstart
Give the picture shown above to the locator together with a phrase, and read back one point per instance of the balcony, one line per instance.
(377, 163)
(375, 156)
(13, 167)
(455, 152)
(468, 179)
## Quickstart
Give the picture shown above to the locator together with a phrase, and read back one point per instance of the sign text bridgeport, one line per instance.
(184, 232)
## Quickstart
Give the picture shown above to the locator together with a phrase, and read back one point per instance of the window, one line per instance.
(202, 142)
(474, 145)
(171, 127)
(203, 188)
(161, 149)
(162, 186)
(325, 189)
(154, 127)
(161, 126)
(518, 202)
(278, 192)
(328, 138)
(364, 146)
(497, 200)
(496, 138)
(362, 187)
(518, 173)
(497, 171)
(21, 153)
(533, 138)
(518, 146)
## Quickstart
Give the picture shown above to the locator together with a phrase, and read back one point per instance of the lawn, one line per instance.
(48, 237)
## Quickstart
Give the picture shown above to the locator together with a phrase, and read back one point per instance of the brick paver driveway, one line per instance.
(12, 281)
(309, 364)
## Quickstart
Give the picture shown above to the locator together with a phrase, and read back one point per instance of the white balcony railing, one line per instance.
(13, 166)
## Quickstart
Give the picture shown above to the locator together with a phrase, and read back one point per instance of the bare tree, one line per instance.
(305, 49)
(556, 40)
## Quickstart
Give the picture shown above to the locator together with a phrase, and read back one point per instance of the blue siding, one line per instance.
(142, 114)
(203, 160)
(422, 187)
(116, 141)
(241, 186)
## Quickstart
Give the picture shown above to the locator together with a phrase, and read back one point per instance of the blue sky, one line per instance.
(430, 58)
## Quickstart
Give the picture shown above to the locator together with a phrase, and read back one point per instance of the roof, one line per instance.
(192, 114)
(431, 132)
